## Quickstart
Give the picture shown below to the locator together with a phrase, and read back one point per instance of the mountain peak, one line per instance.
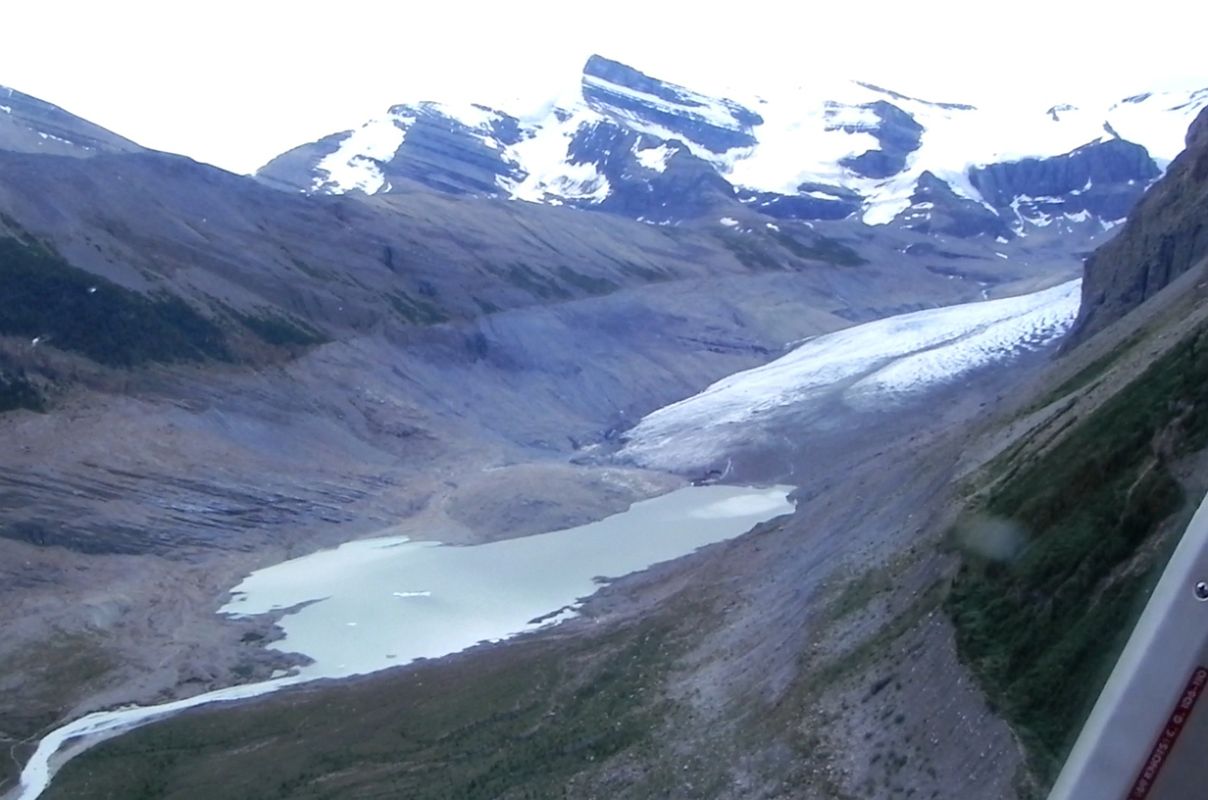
(815, 152)
(599, 66)
(899, 96)
(667, 110)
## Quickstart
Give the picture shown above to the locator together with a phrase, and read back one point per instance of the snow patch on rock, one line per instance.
(654, 158)
(356, 163)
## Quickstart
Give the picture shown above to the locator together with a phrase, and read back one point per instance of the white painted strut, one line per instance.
(1147, 737)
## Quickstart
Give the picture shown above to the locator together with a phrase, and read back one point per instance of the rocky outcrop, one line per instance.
(447, 155)
(1166, 234)
(813, 201)
(1103, 162)
(1104, 178)
(610, 87)
(688, 187)
(936, 208)
(899, 135)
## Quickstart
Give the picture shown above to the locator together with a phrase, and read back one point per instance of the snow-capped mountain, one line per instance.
(634, 145)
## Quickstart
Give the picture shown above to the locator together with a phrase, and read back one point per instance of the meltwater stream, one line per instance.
(376, 603)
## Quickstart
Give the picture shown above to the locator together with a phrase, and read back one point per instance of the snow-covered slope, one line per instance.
(633, 144)
(866, 367)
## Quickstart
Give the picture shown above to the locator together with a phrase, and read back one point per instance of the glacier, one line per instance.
(866, 367)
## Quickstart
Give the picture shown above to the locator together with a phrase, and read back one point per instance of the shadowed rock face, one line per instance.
(816, 202)
(899, 135)
(686, 186)
(1104, 178)
(1166, 234)
(1100, 181)
(936, 208)
(442, 154)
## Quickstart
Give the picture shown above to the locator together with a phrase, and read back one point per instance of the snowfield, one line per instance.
(354, 166)
(805, 135)
(866, 367)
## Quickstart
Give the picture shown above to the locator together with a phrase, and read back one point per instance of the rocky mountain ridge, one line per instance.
(1166, 234)
(634, 145)
(30, 125)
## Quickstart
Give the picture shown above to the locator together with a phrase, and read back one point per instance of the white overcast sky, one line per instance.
(233, 83)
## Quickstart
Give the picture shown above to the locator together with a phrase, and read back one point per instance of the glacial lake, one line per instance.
(377, 603)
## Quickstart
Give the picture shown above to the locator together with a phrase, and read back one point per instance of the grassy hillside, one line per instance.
(472, 729)
(1042, 627)
(17, 390)
(48, 299)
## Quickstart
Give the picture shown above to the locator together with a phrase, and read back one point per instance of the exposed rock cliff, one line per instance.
(1166, 234)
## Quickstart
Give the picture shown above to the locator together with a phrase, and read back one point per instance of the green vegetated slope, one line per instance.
(70, 309)
(17, 390)
(533, 720)
(1042, 628)
(54, 305)
(758, 253)
(1096, 506)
